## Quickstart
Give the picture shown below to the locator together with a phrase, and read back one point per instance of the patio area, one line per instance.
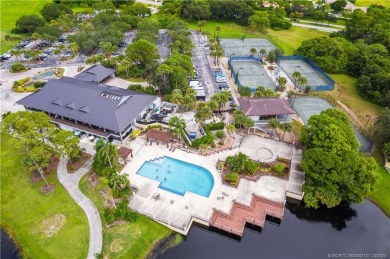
(178, 212)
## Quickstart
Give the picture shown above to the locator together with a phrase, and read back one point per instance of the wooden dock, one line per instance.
(240, 214)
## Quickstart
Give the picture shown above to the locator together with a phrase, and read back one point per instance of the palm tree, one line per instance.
(262, 52)
(105, 152)
(218, 29)
(282, 81)
(17, 53)
(273, 124)
(176, 122)
(74, 47)
(302, 81)
(201, 24)
(295, 76)
(231, 128)
(203, 148)
(253, 52)
(286, 127)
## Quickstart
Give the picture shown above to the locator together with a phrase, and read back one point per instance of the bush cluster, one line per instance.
(233, 178)
(220, 134)
(215, 126)
(122, 212)
(17, 67)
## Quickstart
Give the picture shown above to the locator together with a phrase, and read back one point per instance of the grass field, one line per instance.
(11, 10)
(24, 208)
(382, 189)
(128, 240)
(366, 3)
(351, 98)
(289, 40)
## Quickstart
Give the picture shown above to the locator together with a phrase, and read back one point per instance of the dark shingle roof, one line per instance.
(96, 73)
(265, 106)
(96, 104)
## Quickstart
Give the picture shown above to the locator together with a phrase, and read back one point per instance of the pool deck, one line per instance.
(178, 212)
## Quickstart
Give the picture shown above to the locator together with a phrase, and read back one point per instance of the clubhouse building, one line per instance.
(91, 107)
(263, 109)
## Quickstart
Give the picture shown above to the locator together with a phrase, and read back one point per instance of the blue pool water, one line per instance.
(177, 176)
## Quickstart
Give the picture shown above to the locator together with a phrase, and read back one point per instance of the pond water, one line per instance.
(8, 248)
(44, 76)
(303, 233)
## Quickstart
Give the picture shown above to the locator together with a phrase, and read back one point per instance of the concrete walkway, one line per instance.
(71, 184)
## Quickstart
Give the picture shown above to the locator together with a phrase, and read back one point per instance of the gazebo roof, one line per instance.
(159, 135)
(124, 152)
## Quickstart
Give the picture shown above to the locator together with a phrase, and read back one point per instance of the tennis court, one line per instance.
(314, 78)
(252, 74)
(308, 106)
(241, 48)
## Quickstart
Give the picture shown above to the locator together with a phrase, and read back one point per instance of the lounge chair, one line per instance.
(156, 196)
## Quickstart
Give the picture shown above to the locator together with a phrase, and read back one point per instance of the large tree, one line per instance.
(335, 171)
(29, 23)
(330, 54)
(332, 178)
(142, 53)
(39, 138)
(52, 11)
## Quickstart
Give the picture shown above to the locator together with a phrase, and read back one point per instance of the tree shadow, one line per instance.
(337, 216)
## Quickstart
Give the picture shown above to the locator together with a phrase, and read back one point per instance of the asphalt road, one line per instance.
(202, 66)
(162, 44)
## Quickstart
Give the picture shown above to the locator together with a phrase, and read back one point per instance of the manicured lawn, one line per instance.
(367, 3)
(228, 29)
(382, 189)
(128, 240)
(24, 208)
(291, 39)
(11, 10)
(351, 98)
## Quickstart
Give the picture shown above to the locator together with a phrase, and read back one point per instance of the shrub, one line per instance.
(109, 215)
(220, 134)
(207, 139)
(39, 84)
(135, 133)
(307, 89)
(17, 67)
(244, 91)
(215, 126)
(154, 126)
(279, 168)
(282, 159)
(265, 170)
(232, 178)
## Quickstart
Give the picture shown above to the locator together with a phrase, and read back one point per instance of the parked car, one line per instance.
(220, 79)
(223, 86)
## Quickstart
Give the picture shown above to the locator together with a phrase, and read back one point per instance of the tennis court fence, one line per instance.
(331, 82)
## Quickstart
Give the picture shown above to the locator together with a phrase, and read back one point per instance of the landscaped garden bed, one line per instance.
(241, 166)
(75, 164)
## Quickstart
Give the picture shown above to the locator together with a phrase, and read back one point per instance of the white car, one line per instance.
(220, 79)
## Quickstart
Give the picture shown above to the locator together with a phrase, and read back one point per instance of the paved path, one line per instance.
(71, 184)
(316, 27)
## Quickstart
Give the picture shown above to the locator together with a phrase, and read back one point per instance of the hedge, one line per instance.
(215, 126)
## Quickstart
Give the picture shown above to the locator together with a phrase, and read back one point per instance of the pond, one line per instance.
(303, 233)
(8, 248)
(44, 76)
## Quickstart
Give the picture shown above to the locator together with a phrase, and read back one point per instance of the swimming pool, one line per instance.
(177, 176)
